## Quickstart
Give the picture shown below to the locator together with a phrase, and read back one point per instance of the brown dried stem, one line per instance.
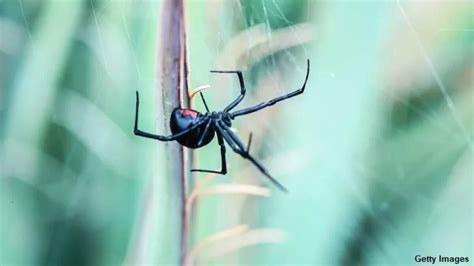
(173, 93)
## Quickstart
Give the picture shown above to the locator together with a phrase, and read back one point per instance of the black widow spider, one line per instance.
(194, 129)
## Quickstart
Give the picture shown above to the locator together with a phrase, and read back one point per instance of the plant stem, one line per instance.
(173, 93)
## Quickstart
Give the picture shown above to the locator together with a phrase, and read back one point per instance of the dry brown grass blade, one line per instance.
(217, 237)
(226, 189)
(194, 93)
(226, 234)
(249, 238)
(205, 181)
(220, 189)
(173, 93)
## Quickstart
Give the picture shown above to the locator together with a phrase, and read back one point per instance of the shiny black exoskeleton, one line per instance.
(194, 129)
(182, 119)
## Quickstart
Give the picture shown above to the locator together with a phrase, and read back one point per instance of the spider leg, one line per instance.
(223, 170)
(204, 133)
(242, 88)
(273, 101)
(204, 101)
(249, 143)
(239, 148)
(138, 132)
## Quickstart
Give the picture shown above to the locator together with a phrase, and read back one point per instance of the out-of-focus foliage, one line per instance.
(376, 154)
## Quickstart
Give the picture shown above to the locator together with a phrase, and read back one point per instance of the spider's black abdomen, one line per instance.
(182, 119)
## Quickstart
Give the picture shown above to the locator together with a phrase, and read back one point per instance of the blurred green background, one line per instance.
(377, 153)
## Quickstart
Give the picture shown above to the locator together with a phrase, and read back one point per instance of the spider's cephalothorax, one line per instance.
(194, 129)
